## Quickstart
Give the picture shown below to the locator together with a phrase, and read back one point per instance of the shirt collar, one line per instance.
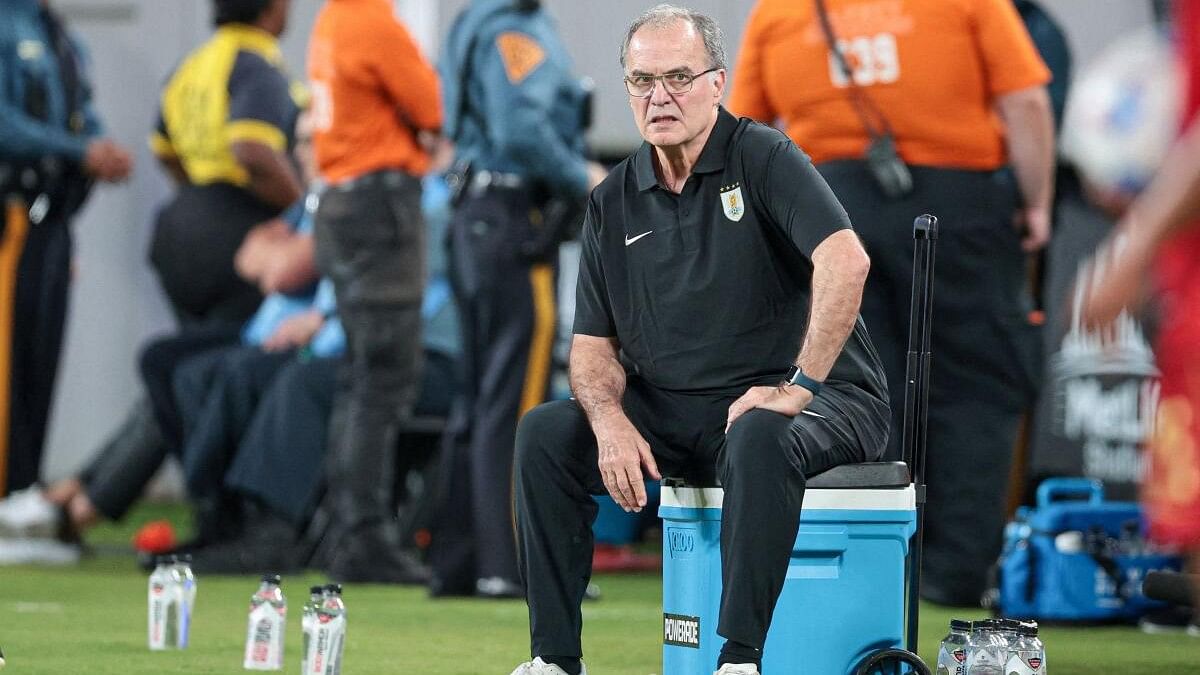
(712, 157)
(253, 38)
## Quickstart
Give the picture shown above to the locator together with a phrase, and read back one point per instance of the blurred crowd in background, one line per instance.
(362, 261)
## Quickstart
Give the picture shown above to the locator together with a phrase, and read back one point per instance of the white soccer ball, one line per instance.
(1123, 112)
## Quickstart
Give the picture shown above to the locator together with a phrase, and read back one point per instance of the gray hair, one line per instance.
(661, 16)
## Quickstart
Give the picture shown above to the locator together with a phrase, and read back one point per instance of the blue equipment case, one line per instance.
(1090, 574)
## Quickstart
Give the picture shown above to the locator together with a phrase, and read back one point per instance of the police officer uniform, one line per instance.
(517, 117)
(707, 294)
(47, 119)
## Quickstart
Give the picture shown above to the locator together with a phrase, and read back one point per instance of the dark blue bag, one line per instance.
(1076, 557)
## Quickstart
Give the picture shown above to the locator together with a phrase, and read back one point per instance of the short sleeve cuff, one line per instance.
(593, 328)
(257, 131)
(161, 146)
(1038, 78)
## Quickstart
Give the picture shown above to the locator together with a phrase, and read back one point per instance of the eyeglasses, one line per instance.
(678, 82)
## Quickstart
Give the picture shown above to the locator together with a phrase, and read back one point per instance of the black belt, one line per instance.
(389, 178)
(21, 179)
(485, 181)
(40, 188)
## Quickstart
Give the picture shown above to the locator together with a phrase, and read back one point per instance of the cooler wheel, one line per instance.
(893, 662)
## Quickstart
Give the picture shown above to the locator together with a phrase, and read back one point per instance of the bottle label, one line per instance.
(158, 616)
(952, 660)
(1025, 663)
(324, 648)
(264, 638)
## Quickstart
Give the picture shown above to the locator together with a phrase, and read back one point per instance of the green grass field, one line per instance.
(91, 619)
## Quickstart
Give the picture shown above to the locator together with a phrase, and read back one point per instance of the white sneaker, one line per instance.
(737, 669)
(540, 667)
(28, 514)
(38, 551)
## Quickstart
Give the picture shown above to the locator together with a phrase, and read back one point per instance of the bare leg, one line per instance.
(61, 492)
(82, 512)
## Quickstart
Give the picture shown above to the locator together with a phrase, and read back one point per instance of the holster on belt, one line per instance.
(458, 179)
(561, 220)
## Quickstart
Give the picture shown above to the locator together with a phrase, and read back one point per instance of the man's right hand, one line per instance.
(1034, 225)
(259, 245)
(622, 454)
(107, 161)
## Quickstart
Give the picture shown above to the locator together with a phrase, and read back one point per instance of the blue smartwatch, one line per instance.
(797, 377)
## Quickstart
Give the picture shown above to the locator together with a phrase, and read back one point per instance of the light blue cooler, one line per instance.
(844, 597)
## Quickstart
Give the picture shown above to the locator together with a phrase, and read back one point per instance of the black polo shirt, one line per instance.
(708, 290)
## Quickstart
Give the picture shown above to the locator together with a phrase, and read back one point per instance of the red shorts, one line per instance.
(1171, 493)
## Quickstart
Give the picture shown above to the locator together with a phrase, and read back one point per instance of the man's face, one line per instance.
(664, 118)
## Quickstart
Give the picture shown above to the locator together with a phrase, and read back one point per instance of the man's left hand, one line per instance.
(107, 161)
(784, 399)
(1034, 225)
(295, 332)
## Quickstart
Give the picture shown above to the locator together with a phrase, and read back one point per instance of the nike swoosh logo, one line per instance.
(629, 240)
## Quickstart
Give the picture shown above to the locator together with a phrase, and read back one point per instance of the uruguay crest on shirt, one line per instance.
(731, 202)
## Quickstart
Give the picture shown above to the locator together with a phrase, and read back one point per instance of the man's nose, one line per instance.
(659, 94)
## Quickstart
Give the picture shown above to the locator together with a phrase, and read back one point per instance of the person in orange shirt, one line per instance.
(376, 109)
(928, 106)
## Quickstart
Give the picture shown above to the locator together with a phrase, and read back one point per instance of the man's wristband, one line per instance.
(797, 377)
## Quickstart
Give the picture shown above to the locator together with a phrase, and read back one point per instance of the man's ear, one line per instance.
(719, 80)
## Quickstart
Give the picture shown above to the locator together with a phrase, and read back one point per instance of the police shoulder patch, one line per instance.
(521, 55)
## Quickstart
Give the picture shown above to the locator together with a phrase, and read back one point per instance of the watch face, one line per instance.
(795, 376)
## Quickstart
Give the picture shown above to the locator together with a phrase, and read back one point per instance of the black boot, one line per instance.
(371, 553)
(363, 542)
(377, 387)
(218, 518)
(268, 543)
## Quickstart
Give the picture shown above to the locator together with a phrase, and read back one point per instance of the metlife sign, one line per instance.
(1100, 393)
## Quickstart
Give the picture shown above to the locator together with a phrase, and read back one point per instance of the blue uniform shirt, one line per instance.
(440, 322)
(330, 340)
(525, 111)
(29, 70)
(279, 307)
